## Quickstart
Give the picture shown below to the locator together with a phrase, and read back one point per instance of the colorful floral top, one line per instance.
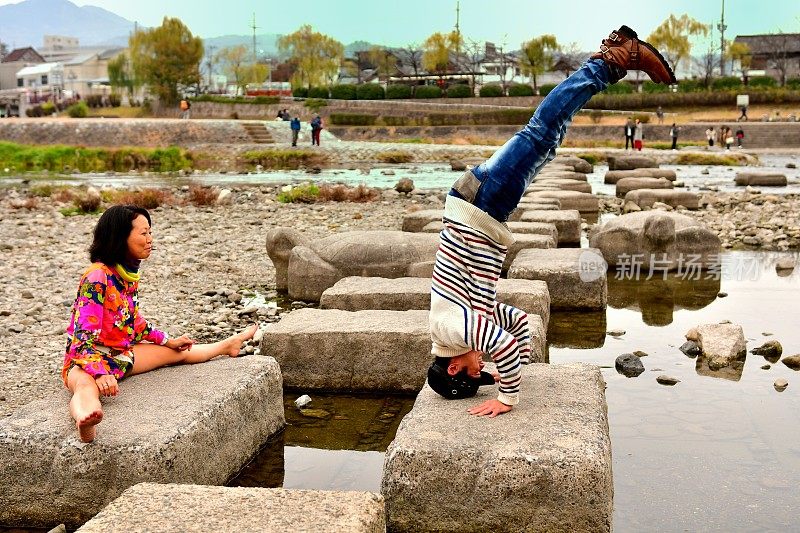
(105, 323)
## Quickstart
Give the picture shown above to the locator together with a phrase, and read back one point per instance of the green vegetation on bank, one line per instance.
(477, 118)
(24, 158)
(219, 99)
(728, 160)
(284, 159)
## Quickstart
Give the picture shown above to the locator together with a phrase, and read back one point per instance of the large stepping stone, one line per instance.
(416, 221)
(562, 174)
(657, 240)
(362, 351)
(529, 204)
(567, 223)
(184, 424)
(613, 176)
(575, 277)
(760, 179)
(644, 198)
(403, 294)
(525, 241)
(544, 466)
(577, 164)
(631, 162)
(562, 185)
(537, 228)
(201, 509)
(315, 265)
(626, 185)
(580, 201)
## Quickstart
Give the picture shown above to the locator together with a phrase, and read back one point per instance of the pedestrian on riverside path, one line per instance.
(186, 109)
(727, 135)
(295, 126)
(638, 135)
(743, 116)
(739, 137)
(660, 115)
(316, 129)
(465, 319)
(673, 133)
(710, 136)
(629, 127)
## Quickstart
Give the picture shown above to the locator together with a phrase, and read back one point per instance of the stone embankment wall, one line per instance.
(757, 134)
(122, 132)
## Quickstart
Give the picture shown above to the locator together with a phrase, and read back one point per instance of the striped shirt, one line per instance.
(464, 314)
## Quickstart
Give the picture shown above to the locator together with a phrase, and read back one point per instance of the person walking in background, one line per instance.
(186, 109)
(673, 133)
(710, 135)
(295, 126)
(743, 116)
(638, 135)
(660, 115)
(727, 135)
(629, 127)
(739, 137)
(316, 128)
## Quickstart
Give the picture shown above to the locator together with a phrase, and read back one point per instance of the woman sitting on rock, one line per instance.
(106, 328)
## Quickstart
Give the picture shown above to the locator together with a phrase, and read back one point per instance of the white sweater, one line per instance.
(464, 314)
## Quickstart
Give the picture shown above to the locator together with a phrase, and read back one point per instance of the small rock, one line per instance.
(766, 367)
(692, 335)
(27, 294)
(667, 380)
(769, 349)
(315, 413)
(457, 165)
(691, 348)
(722, 294)
(225, 197)
(791, 165)
(780, 384)
(767, 333)
(629, 365)
(404, 185)
(302, 401)
(639, 353)
(793, 362)
(235, 297)
(785, 263)
(60, 528)
(616, 332)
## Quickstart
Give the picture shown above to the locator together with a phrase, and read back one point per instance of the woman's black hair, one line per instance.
(110, 244)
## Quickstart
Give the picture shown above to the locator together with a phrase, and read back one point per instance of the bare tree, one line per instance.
(504, 62)
(704, 64)
(570, 59)
(413, 55)
(474, 52)
(776, 48)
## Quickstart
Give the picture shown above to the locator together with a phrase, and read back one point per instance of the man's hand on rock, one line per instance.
(490, 408)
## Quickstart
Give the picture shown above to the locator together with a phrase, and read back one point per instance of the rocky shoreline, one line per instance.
(210, 275)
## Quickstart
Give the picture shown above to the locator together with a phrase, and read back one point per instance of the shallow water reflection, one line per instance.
(719, 451)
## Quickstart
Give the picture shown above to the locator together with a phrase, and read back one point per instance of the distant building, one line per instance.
(14, 62)
(774, 54)
(85, 67)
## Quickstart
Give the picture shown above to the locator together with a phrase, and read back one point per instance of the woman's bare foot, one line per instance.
(86, 424)
(235, 342)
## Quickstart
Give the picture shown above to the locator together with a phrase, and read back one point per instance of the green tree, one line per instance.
(316, 55)
(237, 65)
(672, 37)
(537, 56)
(165, 58)
(437, 49)
(121, 76)
(384, 60)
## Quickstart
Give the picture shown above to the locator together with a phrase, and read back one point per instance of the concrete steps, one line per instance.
(258, 133)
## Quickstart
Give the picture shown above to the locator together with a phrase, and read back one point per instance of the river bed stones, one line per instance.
(613, 176)
(403, 294)
(416, 221)
(631, 162)
(49, 476)
(576, 278)
(556, 478)
(721, 344)
(792, 361)
(646, 198)
(656, 239)
(199, 509)
(629, 365)
(583, 202)
(561, 184)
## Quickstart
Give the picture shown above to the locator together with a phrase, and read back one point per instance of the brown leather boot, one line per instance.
(624, 49)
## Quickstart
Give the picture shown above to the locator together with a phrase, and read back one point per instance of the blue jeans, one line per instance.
(499, 183)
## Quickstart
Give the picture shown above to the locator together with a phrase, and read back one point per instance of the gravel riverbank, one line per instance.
(209, 261)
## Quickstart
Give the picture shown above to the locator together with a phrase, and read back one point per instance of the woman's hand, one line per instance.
(184, 342)
(107, 385)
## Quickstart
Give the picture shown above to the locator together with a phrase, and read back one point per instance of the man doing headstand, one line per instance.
(465, 319)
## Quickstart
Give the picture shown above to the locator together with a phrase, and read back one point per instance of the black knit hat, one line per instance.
(455, 387)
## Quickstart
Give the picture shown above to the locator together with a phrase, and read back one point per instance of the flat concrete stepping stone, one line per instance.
(416, 221)
(527, 204)
(760, 179)
(563, 184)
(561, 174)
(631, 162)
(613, 176)
(202, 509)
(362, 351)
(525, 241)
(625, 185)
(674, 198)
(184, 424)
(581, 201)
(544, 466)
(576, 163)
(537, 228)
(575, 277)
(567, 223)
(403, 294)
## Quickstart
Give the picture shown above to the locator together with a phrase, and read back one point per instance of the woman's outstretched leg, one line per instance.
(84, 406)
(151, 356)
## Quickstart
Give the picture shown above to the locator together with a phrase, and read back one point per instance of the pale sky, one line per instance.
(398, 23)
